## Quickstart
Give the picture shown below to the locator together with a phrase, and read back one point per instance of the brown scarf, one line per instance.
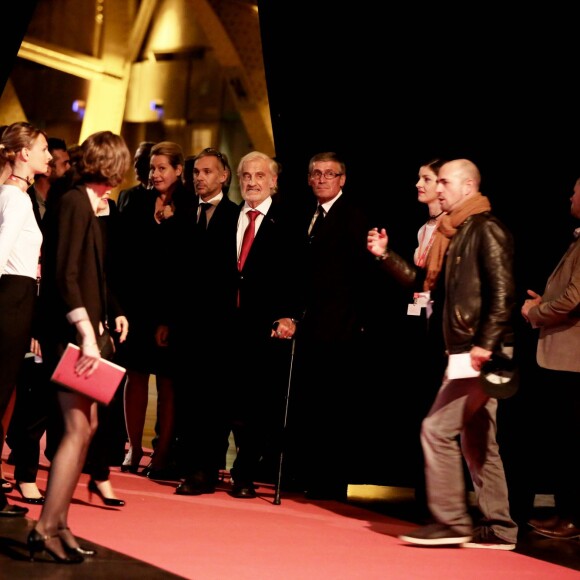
(446, 230)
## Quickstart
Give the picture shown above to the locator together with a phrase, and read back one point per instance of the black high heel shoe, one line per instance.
(30, 500)
(78, 550)
(37, 543)
(108, 501)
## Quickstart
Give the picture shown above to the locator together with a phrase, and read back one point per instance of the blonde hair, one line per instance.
(16, 137)
(171, 150)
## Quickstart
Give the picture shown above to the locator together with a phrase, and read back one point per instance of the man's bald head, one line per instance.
(458, 180)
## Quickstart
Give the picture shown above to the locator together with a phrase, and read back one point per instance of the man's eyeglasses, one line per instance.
(328, 174)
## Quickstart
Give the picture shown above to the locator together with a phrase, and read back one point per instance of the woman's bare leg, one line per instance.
(135, 401)
(80, 423)
(166, 410)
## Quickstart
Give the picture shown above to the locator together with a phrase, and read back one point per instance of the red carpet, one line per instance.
(215, 537)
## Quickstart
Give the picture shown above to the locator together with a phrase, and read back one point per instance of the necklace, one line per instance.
(25, 179)
(434, 217)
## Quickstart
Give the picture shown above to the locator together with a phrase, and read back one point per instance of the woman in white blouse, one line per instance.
(24, 150)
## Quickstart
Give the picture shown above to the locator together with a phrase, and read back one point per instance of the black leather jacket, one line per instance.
(479, 283)
(403, 272)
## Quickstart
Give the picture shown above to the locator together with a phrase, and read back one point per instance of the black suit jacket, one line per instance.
(110, 228)
(267, 283)
(128, 197)
(145, 253)
(73, 267)
(336, 270)
(203, 280)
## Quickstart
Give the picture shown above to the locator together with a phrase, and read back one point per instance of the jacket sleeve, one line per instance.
(495, 256)
(401, 270)
(563, 306)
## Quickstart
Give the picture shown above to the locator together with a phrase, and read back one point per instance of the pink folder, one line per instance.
(100, 386)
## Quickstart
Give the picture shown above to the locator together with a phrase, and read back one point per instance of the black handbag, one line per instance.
(106, 344)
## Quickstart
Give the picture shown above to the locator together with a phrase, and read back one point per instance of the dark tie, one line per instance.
(249, 234)
(317, 222)
(202, 219)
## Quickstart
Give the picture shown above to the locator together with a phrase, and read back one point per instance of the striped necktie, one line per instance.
(316, 222)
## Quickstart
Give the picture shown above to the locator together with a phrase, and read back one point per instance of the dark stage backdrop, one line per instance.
(392, 91)
(12, 35)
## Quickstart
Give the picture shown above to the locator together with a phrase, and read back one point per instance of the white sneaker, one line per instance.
(435, 535)
(484, 537)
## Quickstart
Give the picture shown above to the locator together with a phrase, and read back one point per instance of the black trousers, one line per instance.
(320, 422)
(257, 407)
(17, 300)
(35, 411)
(557, 410)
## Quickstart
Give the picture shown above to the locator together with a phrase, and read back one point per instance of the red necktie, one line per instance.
(248, 238)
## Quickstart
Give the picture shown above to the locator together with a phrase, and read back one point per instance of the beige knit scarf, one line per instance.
(446, 230)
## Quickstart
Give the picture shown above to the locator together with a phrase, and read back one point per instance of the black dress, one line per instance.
(143, 246)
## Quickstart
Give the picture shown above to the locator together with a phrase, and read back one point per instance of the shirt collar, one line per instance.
(214, 200)
(328, 204)
(262, 208)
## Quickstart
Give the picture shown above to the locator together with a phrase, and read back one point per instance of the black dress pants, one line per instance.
(17, 299)
(257, 407)
(319, 435)
(35, 410)
(557, 410)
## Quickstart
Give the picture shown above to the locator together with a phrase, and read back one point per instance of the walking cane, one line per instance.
(279, 480)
